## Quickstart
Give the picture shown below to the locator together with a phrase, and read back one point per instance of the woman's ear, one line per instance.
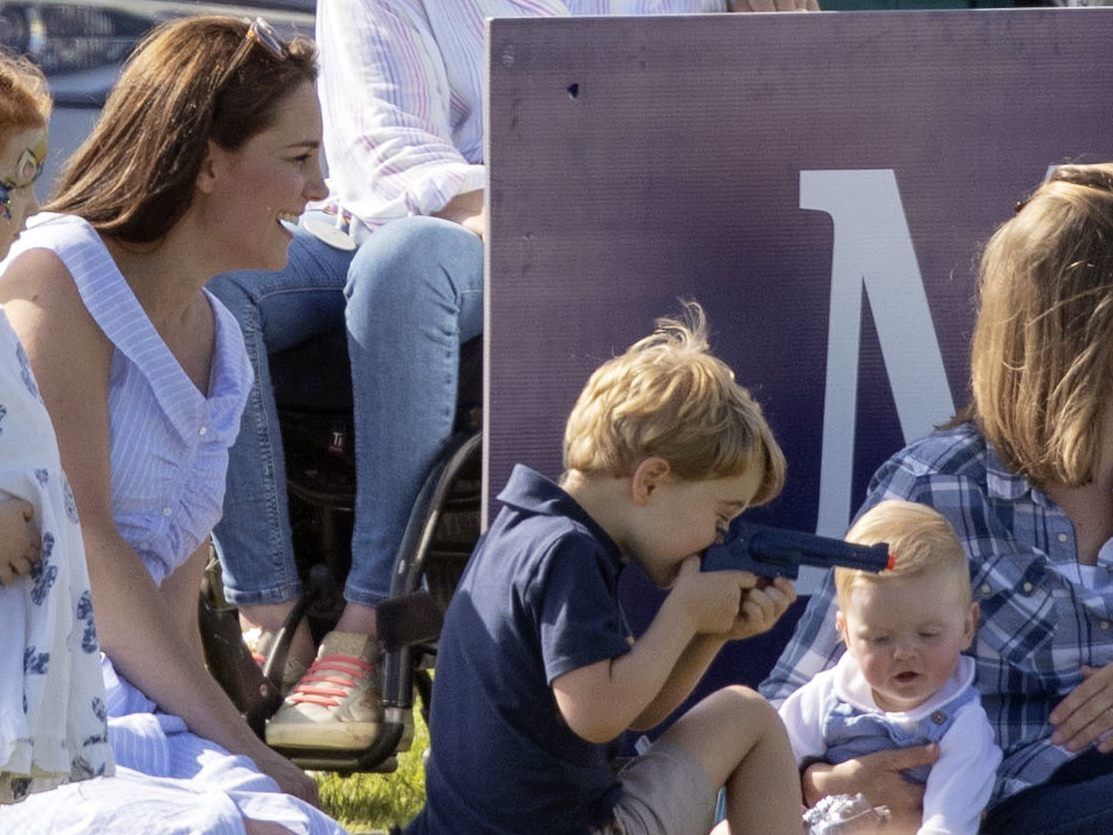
(210, 165)
(649, 475)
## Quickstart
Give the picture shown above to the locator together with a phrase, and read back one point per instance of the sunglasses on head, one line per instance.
(261, 34)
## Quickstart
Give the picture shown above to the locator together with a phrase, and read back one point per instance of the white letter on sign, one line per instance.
(873, 253)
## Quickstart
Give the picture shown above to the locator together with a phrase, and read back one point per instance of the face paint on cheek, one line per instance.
(28, 169)
(31, 163)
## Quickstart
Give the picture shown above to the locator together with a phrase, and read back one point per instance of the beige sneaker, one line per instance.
(337, 702)
(259, 642)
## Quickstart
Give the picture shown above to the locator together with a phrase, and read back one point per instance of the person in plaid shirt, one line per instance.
(1025, 476)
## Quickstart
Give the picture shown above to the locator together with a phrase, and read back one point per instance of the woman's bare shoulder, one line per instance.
(43, 305)
(38, 279)
(37, 275)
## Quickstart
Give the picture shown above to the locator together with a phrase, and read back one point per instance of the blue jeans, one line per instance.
(1077, 800)
(409, 297)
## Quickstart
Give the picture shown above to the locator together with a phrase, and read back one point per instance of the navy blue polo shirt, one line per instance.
(539, 598)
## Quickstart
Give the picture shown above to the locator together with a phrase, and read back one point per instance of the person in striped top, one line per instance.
(209, 140)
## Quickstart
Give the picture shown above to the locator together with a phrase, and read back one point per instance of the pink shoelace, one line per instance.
(342, 672)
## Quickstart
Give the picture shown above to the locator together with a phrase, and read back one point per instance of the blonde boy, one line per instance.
(903, 680)
(538, 672)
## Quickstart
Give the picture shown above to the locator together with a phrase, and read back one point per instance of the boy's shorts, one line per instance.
(664, 792)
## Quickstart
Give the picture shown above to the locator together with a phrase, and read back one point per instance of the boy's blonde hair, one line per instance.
(24, 98)
(667, 396)
(1042, 352)
(921, 541)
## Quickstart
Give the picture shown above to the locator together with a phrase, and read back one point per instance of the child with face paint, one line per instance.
(52, 702)
(23, 153)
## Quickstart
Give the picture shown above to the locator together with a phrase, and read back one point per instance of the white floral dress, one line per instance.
(52, 700)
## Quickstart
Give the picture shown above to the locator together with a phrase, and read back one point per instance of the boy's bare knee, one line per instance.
(750, 704)
(741, 707)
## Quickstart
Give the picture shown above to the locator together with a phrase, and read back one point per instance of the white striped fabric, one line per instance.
(169, 442)
(128, 804)
(402, 93)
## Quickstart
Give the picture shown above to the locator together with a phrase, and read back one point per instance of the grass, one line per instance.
(366, 802)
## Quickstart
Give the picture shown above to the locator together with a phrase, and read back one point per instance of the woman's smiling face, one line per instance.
(269, 179)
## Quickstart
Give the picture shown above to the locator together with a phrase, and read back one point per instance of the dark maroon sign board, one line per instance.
(821, 183)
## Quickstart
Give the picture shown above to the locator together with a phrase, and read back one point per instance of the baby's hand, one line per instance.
(19, 539)
(711, 600)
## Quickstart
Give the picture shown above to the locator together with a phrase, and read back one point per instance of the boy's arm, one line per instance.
(686, 673)
(962, 779)
(601, 700)
(760, 609)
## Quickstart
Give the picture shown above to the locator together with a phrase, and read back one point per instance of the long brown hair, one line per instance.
(189, 82)
(1042, 352)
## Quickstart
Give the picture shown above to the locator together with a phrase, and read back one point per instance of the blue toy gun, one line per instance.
(776, 552)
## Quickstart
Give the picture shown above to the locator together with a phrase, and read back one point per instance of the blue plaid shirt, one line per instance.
(1037, 628)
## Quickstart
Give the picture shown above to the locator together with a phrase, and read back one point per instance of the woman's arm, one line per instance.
(1085, 716)
(180, 591)
(469, 210)
(71, 359)
(814, 645)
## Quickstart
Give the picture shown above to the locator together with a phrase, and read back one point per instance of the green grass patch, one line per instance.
(364, 802)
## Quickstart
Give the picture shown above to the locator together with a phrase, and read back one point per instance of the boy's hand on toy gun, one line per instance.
(773, 5)
(878, 777)
(1086, 714)
(712, 601)
(762, 606)
(20, 544)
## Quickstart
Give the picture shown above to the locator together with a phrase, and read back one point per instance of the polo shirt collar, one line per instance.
(529, 491)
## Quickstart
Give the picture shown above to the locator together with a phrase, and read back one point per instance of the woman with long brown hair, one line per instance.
(208, 143)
